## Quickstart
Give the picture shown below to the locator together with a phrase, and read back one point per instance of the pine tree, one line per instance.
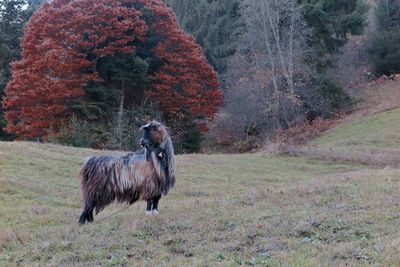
(13, 16)
(387, 15)
(384, 53)
(216, 26)
(11, 23)
(331, 22)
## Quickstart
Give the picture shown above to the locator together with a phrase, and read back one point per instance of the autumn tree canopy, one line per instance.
(13, 16)
(70, 45)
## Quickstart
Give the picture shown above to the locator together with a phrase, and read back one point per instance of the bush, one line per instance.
(191, 142)
(76, 133)
(302, 133)
(186, 134)
(333, 93)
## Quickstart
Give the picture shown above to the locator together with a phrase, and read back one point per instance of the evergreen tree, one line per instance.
(11, 24)
(387, 15)
(331, 22)
(13, 16)
(384, 52)
(216, 26)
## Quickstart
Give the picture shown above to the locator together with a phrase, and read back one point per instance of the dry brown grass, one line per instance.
(376, 158)
(286, 140)
(376, 98)
(226, 210)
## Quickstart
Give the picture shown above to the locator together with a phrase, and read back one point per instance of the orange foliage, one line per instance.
(64, 40)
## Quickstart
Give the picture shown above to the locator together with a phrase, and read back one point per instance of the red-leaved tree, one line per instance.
(192, 80)
(64, 40)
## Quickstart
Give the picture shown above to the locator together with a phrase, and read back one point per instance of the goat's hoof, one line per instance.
(151, 212)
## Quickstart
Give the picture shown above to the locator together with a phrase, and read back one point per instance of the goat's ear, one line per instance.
(144, 127)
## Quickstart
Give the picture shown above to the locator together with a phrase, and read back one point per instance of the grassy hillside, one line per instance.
(252, 209)
(376, 132)
(372, 140)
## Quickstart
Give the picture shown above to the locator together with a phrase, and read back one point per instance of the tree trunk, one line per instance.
(269, 49)
(120, 117)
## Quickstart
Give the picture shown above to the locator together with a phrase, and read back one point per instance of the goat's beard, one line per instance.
(148, 149)
(152, 148)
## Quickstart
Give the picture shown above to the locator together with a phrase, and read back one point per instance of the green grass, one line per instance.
(377, 132)
(226, 210)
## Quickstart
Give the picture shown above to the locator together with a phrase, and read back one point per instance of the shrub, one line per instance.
(334, 93)
(187, 135)
(76, 133)
(290, 140)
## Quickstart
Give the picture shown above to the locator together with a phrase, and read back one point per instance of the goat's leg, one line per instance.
(83, 218)
(155, 204)
(149, 207)
(87, 214)
(90, 212)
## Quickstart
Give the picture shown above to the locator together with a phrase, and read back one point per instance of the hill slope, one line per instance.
(376, 132)
(373, 140)
(252, 209)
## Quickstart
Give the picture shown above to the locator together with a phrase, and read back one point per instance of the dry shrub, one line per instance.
(249, 144)
(229, 135)
(352, 70)
(286, 140)
(381, 96)
(225, 131)
(8, 236)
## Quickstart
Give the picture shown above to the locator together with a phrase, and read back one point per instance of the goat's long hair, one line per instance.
(133, 177)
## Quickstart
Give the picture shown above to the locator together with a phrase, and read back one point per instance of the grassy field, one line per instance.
(226, 210)
(376, 132)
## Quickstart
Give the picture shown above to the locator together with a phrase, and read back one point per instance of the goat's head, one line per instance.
(154, 134)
